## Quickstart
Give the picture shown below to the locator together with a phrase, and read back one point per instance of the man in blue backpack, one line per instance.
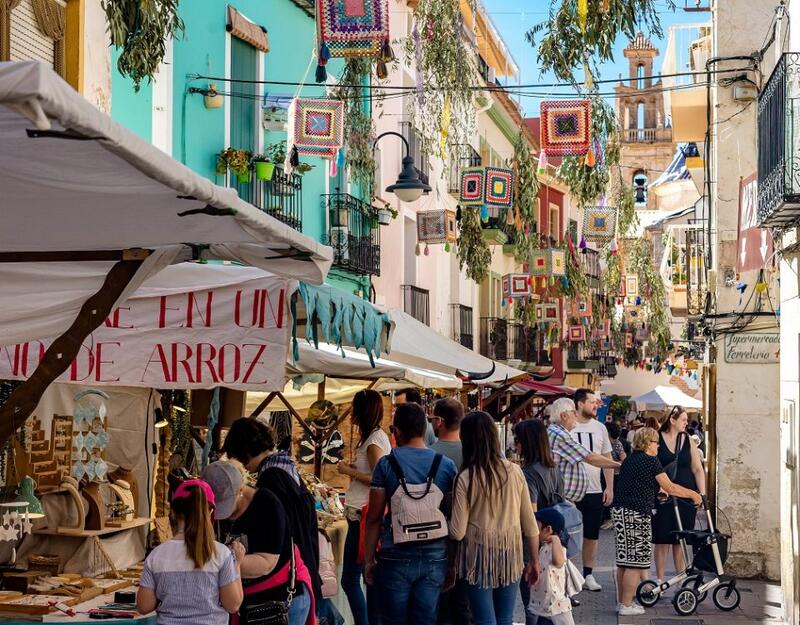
(416, 484)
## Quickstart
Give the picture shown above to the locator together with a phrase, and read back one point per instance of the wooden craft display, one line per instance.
(36, 604)
(95, 507)
(123, 493)
(126, 475)
(70, 486)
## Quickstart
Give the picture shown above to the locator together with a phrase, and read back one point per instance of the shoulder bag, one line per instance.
(272, 612)
(672, 468)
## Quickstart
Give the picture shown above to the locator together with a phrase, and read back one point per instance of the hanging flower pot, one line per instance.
(264, 170)
(384, 217)
(243, 177)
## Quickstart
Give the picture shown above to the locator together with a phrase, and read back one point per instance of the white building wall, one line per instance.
(747, 405)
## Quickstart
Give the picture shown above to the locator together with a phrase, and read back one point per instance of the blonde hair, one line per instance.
(642, 438)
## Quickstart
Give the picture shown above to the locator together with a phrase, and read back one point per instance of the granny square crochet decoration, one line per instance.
(353, 28)
(566, 127)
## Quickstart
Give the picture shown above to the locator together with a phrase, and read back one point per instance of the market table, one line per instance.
(80, 619)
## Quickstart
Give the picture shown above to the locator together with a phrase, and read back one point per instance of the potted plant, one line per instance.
(386, 214)
(303, 168)
(264, 167)
(236, 161)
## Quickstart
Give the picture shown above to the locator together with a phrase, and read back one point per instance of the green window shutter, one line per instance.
(244, 64)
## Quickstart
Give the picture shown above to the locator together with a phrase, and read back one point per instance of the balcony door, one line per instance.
(244, 107)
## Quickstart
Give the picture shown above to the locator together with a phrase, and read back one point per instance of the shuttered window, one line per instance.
(25, 40)
(244, 106)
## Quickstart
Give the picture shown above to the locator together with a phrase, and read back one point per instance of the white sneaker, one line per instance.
(607, 525)
(630, 610)
(590, 583)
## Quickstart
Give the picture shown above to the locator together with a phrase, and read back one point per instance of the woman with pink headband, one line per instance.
(192, 578)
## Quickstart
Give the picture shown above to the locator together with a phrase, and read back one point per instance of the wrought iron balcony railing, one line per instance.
(461, 317)
(461, 157)
(779, 145)
(354, 234)
(504, 339)
(417, 303)
(591, 266)
(281, 197)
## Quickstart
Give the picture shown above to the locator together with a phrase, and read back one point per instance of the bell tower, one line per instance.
(647, 147)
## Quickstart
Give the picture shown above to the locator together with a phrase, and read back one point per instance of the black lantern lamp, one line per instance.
(409, 187)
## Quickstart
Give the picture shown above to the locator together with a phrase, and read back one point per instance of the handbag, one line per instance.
(272, 612)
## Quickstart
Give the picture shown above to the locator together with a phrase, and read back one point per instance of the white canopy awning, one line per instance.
(420, 345)
(73, 180)
(665, 397)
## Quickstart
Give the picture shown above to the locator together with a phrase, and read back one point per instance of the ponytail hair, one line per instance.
(198, 530)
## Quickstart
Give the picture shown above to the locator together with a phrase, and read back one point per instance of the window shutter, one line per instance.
(244, 105)
(27, 41)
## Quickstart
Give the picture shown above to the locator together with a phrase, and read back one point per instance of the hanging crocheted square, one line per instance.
(566, 127)
(599, 223)
(472, 186)
(437, 226)
(550, 313)
(603, 329)
(632, 285)
(499, 187)
(581, 308)
(628, 340)
(353, 28)
(577, 333)
(541, 309)
(558, 262)
(318, 126)
(516, 285)
(540, 263)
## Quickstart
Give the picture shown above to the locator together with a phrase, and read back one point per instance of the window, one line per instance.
(33, 31)
(244, 108)
(554, 223)
(640, 76)
(640, 116)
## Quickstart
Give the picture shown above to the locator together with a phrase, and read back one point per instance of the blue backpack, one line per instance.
(572, 536)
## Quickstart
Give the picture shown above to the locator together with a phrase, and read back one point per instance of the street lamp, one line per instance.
(408, 188)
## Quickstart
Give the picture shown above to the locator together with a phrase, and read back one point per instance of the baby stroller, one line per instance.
(709, 551)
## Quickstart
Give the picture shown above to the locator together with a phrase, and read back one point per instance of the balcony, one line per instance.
(646, 135)
(461, 318)
(281, 197)
(591, 267)
(421, 164)
(688, 49)
(416, 302)
(779, 146)
(683, 269)
(504, 339)
(354, 234)
(462, 156)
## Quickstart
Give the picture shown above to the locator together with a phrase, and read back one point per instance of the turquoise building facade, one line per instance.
(174, 113)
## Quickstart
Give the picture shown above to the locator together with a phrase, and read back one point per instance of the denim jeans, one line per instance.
(365, 611)
(298, 609)
(408, 582)
(492, 606)
(454, 606)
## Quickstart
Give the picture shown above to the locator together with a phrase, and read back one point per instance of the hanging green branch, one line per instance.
(571, 39)
(640, 262)
(141, 29)
(610, 278)
(359, 129)
(443, 110)
(588, 183)
(526, 201)
(624, 200)
(576, 284)
(473, 251)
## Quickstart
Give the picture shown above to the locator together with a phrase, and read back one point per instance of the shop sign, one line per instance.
(753, 348)
(235, 336)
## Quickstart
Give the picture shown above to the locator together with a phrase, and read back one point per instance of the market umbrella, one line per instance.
(665, 397)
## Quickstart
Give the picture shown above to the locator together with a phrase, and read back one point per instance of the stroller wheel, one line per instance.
(685, 601)
(694, 582)
(645, 594)
(727, 597)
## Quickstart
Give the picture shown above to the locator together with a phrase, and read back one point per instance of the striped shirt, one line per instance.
(280, 460)
(186, 594)
(569, 456)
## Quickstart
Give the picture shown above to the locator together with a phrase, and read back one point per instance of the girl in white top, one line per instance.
(373, 444)
(549, 600)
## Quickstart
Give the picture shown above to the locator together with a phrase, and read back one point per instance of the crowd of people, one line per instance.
(441, 525)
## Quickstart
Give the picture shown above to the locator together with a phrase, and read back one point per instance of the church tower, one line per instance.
(647, 147)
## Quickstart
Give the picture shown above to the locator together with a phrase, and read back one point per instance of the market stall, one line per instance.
(663, 398)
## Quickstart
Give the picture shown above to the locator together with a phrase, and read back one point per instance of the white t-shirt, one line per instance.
(594, 436)
(548, 595)
(358, 493)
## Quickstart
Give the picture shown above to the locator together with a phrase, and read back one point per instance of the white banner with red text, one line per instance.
(225, 326)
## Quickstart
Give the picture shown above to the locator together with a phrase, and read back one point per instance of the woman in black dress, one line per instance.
(678, 454)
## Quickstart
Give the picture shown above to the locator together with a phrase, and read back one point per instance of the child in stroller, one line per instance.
(709, 551)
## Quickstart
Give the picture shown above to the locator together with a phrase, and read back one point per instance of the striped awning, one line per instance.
(242, 28)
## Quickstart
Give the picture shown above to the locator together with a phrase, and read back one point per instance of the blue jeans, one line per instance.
(365, 611)
(408, 582)
(298, 609)
(492, 606)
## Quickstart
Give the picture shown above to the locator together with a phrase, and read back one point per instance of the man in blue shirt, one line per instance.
(408, 577)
